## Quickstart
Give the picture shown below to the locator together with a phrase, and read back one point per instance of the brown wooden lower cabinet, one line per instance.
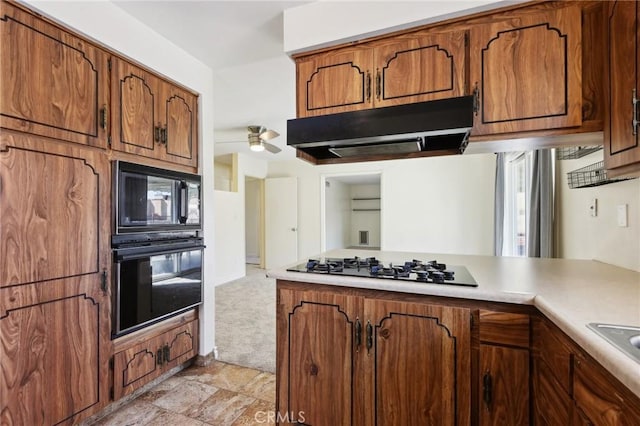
(602, 400)
(571, 388)
(503, 373)
(350, 356)
(346, 358)
(552, 405)
(145, 359)
(504, 385)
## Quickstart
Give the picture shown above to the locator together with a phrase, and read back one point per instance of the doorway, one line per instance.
(254, 220)
(352, 207)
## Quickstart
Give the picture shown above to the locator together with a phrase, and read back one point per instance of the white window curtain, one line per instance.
(524, 204)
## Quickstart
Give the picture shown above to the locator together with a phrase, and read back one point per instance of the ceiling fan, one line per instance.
(258, 137)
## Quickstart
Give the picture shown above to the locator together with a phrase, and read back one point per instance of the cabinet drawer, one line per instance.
(550, 346)
(601, 397)
(504, 328)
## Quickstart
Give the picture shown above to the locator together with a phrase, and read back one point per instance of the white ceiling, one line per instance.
(242, 41)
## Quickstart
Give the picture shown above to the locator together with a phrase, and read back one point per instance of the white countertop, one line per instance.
(571, 293)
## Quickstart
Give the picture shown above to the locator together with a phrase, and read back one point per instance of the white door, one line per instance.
(281, 221)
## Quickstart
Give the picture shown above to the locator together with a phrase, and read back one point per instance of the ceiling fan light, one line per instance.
(256, 146)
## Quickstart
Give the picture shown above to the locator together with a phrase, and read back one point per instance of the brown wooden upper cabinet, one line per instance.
(52, 83)
(152, 117)
(413, 67)
(527, 68)
(621, 147)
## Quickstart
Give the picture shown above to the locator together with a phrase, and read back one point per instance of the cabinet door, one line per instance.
(504, 386)
(622, 65)
(178, 113)
(181, 344)
(552, 405)
(54, 351)
(602, 398)
(54, 298)
(335, 81)
(420, 66)
(317, 374)
(528, 71)
(136, 366)
(136, 122)
(54, 210)
(419, 364)
(51, 83)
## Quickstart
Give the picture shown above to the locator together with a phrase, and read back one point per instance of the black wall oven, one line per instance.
(157, 247)
(155, 281)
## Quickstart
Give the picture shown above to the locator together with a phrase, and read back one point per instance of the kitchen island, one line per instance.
(554, 293)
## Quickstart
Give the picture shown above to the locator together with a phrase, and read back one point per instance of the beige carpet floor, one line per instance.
(246, 321)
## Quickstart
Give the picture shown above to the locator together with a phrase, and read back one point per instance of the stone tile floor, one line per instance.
(219, 394)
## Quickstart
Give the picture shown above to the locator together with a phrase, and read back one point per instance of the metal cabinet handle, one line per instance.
(156, 133)
(378, 84)
(487, 390)
(159, 357)
(166, 353)
(103, 281)
(476, 100)
(358, 333)
(368, 86)
(369, 336)
(634, 121)
(104, 117)
(163, 135)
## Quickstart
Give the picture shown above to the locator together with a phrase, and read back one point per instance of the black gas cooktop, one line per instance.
(431, 272)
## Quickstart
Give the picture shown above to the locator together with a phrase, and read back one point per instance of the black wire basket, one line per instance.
(592, 175)
(573, 152)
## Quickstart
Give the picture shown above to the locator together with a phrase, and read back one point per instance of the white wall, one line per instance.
(585, 237)
(365, 220)
(324, 23)
(337, 214)
(229, 238)
(110, 25)
(428, 204)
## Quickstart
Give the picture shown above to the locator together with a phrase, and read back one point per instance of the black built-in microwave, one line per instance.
(149, 199)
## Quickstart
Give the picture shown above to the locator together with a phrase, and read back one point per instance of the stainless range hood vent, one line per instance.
(414, 130)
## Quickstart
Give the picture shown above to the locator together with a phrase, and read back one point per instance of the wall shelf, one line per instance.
(365, 204)
(574, 152)
(592, 175)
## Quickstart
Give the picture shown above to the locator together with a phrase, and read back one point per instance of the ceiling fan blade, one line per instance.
(269, 134)
(271, 148)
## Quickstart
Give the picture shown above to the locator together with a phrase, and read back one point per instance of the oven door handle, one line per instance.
(139, 254)
(184, 203)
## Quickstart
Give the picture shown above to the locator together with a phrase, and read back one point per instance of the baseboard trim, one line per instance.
(205, 360)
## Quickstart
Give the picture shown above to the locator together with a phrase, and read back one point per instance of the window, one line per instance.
(519, 175)
(517, 170)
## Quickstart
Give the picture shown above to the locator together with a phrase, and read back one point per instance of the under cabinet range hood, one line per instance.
(439, 127)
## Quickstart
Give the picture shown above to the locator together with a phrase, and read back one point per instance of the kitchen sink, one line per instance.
(624, 337)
